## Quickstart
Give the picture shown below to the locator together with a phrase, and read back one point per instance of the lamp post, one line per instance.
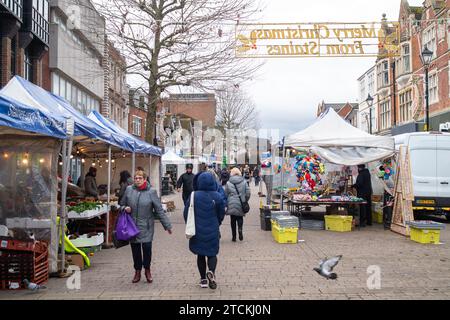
(427, 56)
(369, 101)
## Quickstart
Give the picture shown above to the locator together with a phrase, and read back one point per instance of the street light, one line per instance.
(369, 101)
(427, 56)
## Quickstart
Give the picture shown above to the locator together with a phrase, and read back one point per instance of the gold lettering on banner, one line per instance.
(317, 40)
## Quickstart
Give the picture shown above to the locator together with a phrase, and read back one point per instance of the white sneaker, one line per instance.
(203, 283)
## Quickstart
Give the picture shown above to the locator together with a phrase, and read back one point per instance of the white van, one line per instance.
(430, 169)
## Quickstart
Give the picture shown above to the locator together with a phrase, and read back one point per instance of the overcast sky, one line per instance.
(287, 91)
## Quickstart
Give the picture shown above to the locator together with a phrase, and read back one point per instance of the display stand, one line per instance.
(403, 194)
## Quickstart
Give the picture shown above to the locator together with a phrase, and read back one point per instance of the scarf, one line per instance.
(143, 187)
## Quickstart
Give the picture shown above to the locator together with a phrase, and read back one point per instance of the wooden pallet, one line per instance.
(403, 194)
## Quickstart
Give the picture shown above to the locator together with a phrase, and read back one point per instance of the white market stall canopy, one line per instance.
(171, 157)
(337, 141)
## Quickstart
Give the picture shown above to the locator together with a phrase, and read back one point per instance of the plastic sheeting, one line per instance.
(28, 189)
(337, 141)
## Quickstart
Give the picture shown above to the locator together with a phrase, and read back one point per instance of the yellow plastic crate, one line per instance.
(284, 235)
(425, 235)
(377, 217)
(338, 223)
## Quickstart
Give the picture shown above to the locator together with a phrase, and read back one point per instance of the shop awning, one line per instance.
(16, 117)
(337, 141)
(137, 144)
(31, 95)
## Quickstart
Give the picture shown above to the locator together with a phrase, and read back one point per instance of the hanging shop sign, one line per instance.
(372, 39)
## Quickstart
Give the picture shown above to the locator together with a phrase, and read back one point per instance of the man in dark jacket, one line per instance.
(363, 187)
(224, 176)
(186, 180)
(90, 183)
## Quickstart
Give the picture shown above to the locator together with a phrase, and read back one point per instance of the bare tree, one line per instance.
(235, 110)
(179, 43)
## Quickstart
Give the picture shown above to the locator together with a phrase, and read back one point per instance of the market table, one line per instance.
(296, 207)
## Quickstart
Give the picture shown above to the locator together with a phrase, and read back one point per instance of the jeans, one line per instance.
(201, 264)
(139, 251)
(239, 221)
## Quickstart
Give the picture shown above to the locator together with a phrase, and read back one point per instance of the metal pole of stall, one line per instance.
(67, 150)
(133, 164)
(108, 196)
(282, 176)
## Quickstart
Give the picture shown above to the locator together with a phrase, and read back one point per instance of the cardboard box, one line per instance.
(75, 259)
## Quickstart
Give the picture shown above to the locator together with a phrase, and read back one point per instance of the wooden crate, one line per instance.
(17, 265)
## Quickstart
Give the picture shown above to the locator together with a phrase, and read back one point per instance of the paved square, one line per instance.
(260, 268)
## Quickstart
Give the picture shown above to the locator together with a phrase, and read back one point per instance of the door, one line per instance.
(443, 166)
(423, 165)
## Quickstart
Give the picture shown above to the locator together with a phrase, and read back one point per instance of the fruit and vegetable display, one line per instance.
(84, 206)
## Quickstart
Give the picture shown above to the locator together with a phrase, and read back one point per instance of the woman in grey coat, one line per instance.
(140, 201)
(236, 185)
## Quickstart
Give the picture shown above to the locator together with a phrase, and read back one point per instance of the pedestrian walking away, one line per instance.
(185, 181)
(142, 202)
(209, 211)
(363, 188)
(237, 192)
(256, 176)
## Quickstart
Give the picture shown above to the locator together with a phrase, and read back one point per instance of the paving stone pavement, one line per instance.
(260, 268)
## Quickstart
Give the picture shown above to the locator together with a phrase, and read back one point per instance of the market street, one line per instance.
(260, 268)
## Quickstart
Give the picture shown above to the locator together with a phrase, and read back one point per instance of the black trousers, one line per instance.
(142, 255)
(240, 223)
(186, 196)
(366, 211)
(201, 264)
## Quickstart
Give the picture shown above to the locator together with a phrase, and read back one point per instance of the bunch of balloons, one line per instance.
(386, 170)
(309, 168)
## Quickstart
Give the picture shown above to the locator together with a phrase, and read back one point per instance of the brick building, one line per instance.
(118, 92)
(399, 101)
(434, 32)
(348, 111)
(198, 106)
(24, 39)
(77, 52)
(137, 112)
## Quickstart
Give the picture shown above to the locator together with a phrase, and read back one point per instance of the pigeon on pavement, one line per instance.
(326, 266)
(33, 286)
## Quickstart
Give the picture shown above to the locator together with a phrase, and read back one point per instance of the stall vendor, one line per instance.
(90, 183)
(363, 188)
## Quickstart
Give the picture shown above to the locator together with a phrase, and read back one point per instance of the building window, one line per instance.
(405, 60)
(429, 39)
(62, 88)
(136, 125)
(383, 74)
(405, 106)
(362, 90)
(69, 92)
(371, 84)
(55, 84)
(27, 67)
(385, 114)
(433, 87)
